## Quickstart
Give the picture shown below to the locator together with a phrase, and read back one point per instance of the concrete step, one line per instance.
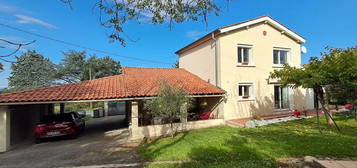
(234, 124)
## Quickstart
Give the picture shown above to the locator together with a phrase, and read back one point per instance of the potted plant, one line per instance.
(245, 63)
(245, 97)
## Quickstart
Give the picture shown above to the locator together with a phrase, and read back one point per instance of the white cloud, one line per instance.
(31, 20)
(194, 34)
(6, 8)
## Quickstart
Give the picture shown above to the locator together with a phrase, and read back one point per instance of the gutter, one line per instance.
(97, 100)
(216, 55)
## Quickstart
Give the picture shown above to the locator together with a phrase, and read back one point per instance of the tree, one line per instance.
(114, 14)
(72, 66)
(31, 70)
(336, 67)
(100, 67)
(170, 105)
(176, 64)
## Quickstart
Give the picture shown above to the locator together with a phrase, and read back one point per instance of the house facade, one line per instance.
(238, 58)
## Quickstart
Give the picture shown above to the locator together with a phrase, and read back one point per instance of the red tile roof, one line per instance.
(133, 82)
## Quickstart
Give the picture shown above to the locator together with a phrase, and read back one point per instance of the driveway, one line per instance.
(105, 141)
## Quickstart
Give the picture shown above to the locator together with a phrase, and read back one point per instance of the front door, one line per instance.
(281, 97)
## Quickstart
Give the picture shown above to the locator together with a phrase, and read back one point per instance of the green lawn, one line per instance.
(257, 147)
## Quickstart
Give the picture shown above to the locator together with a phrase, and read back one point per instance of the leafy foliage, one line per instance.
(114, 14)
(336, 67)
(31, 70)
(176, 64)
(169, 104)
(75, 67)
(96, 67)
(71, 68)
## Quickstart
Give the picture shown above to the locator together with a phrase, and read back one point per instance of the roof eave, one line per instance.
(270, 21)
(203, 39)
(98, 100)
(299, 39)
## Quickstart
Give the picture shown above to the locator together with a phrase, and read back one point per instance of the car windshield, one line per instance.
(61, 117)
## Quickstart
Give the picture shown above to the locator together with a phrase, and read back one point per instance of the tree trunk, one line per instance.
(172, 129)
(320, 96)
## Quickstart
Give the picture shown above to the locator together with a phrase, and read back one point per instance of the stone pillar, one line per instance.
(106, 108)
(4, 128)
(134, 114)
(183, 110)
(134, 123)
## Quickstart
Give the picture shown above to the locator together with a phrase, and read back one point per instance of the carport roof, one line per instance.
(134, 82)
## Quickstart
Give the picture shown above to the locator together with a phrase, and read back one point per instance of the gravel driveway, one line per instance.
(104, 141)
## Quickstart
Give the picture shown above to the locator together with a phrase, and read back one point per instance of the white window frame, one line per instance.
(280, 98)
(250, 56)
(288, 51)
(251, 91)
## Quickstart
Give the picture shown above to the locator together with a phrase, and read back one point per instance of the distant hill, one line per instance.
(2, 88)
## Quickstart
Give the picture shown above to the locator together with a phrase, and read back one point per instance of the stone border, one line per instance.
(130, 164)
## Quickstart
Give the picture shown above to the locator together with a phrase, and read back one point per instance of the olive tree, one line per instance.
(170, 105)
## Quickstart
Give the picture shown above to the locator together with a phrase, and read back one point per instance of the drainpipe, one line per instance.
(216, 59)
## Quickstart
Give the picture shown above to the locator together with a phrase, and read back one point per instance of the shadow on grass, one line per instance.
(258, 147)
(235, 152)
(150, 155)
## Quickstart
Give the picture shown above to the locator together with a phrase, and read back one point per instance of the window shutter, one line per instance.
(251, 56)
(239, 55)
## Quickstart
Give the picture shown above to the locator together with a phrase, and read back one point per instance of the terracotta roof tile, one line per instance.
(133, 82)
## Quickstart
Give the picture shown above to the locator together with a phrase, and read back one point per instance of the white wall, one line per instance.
(200, 61)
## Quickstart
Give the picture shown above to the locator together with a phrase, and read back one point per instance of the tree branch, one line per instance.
(18, 47)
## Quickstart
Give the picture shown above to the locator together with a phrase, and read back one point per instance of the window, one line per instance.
(245, 91)
(280, 56)
(245, 54)
(281, 97)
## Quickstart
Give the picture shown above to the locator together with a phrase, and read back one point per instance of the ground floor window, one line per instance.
(281, 97)
(245, 91)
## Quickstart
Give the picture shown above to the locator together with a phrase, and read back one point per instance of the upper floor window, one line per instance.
(245, 56)
(280, 56)
(245, 91)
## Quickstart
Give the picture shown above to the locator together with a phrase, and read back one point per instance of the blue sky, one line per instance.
(322, 22)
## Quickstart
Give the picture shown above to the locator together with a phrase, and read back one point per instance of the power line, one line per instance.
(81, 46)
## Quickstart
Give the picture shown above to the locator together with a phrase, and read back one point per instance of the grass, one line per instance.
(225, 147)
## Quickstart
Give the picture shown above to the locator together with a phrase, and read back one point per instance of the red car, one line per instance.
(66, 124)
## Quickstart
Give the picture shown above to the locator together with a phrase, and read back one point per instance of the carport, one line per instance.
(20, 111)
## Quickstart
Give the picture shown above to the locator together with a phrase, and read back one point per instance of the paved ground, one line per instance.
(337, 163)
(103, 142)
